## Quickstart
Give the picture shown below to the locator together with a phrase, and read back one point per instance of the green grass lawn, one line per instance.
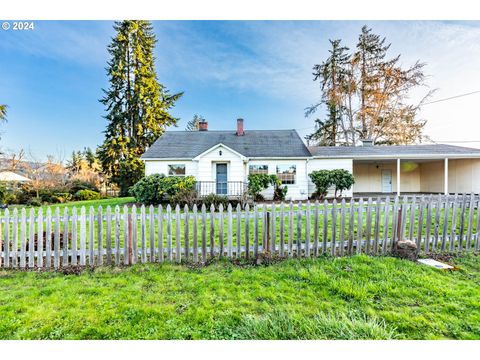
(95, 203)
(343, 298)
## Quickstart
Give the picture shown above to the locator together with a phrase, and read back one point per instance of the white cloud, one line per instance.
(81, 42)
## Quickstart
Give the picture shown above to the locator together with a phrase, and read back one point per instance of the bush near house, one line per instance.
(259, 182)
(341, 179)
(322, 181)
(215, 200)
(153, 189)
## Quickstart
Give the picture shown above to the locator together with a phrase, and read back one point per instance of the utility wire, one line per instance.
(452, 97)
(427, 103)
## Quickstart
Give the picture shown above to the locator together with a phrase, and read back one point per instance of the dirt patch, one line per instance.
(443, 257)
(52, 241)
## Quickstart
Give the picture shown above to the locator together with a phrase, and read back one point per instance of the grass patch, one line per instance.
(120, 201)
(358, 297)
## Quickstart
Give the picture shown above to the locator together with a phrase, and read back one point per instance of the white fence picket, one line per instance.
(435, 223)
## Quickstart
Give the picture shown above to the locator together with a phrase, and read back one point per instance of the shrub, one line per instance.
(76, 185)
(257, 183)
(260, 182)
(35, 201)
(185, 197)
(342, 180)
(87, 195)
(60, 197)
(279, 192)
(149, 189)
(10, 198)
(215, 200)
(323, 179)
(3, 194)
(154, 189)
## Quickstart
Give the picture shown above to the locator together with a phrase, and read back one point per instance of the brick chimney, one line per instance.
(203, 125)
(240, 131)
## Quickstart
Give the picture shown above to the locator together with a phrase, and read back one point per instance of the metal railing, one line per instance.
(225, 188)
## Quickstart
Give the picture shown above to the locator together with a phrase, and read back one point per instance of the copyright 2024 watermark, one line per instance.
(18, 25)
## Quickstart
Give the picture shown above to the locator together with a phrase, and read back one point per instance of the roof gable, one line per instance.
(213, 148)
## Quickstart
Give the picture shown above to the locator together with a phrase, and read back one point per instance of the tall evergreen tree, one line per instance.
(193, 125)
(332, 75)
(383, 85)
(137, 104)
(369, 58)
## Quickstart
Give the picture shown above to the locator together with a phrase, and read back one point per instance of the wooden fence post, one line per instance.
(266, 249)
(398, 230)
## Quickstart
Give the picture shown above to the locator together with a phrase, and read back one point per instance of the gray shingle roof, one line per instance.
(430, 150)
(255, 143)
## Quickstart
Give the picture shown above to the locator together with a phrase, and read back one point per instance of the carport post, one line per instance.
(398, 176)
(445, 166)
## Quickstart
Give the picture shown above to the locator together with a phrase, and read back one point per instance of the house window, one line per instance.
(258, 169)
(176, 170)
(287, 173)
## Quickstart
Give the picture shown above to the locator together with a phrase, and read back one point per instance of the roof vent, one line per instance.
(367, 142)
(203, 125)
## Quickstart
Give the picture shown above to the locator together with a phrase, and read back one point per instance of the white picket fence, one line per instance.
(156, 234)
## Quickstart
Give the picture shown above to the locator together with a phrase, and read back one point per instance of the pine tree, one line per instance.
(137, 104)
(383, 87)
(369, 58)
(193, 125)
(90, 156)
(332, 75)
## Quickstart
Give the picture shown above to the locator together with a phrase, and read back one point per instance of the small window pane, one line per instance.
(258, 169)
(176, 170)
(287, 173)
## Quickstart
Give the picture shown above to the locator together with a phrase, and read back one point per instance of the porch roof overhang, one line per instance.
(403, 156)
(383, 152)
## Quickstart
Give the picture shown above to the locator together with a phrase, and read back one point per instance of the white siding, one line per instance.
(328, 164)
(161, 166)
(297, 191)
(463, 175)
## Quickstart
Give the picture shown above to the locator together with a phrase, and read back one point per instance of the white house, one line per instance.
(222, 160)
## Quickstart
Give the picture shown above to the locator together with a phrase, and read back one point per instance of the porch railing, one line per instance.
(226, 188)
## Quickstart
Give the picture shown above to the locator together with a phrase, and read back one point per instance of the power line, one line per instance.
(452, 97)
(456, 141)
(427, 103)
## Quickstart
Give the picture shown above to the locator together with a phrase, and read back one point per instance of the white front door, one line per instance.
(387, 181)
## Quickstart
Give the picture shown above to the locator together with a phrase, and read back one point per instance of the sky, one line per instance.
(52, 77)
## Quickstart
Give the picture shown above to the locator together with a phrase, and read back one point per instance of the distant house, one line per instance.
(11, 177)
(222, 160)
